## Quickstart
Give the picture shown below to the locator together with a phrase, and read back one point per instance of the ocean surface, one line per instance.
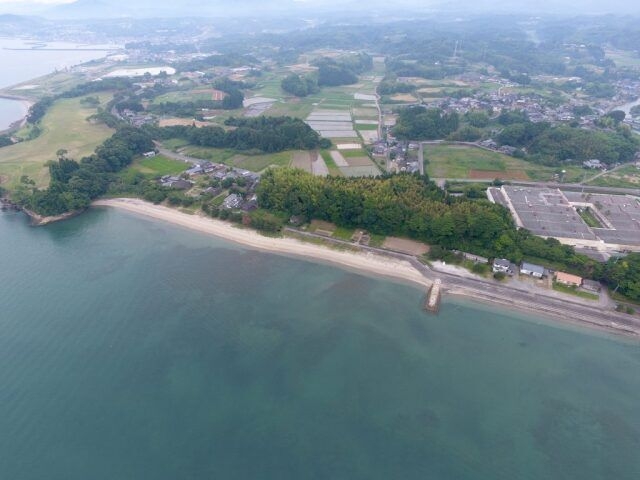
(132, 349)
(21, 62)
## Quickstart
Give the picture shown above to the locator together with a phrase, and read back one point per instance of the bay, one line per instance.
(23, 60)
(133, 349)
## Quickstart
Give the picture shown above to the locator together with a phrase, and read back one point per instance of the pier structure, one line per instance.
(434, 295)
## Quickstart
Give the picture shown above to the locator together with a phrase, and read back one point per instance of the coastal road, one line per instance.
(526, 297)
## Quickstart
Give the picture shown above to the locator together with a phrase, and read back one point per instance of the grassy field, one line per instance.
(331, 165)
(463, 161)
(255, 163)
(625, 177)
(65, 126)
(574, 291)
(158, 166)
(623, 58)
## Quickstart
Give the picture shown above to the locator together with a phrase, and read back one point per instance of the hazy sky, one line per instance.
(572, 7)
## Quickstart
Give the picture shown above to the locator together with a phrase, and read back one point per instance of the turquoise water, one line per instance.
(135, 350)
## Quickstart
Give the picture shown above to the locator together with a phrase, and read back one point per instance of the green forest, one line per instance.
(268, 134)
(413, 206)
(75, 184)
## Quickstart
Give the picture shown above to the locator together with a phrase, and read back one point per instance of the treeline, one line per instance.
(299, 85)
(412, 206)
(342, 71)
(623, 275)
(420, 123)
(390, 86)
(268, 134)
(206, 63)
(552, 145)
(75, 184)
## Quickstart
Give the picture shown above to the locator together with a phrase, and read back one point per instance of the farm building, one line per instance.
(568, 279)
(532, 270)
(501, 265)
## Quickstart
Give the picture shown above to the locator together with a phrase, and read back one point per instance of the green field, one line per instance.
(331, 165)
(253, 162)
(158, 166)
(65, 126)
(468, 162)
(574, 291)
(624, 177)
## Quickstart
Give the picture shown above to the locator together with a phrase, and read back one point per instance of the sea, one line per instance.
(22, 60)
(134, 349)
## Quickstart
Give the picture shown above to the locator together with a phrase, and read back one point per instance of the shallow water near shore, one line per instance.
(11, 111)
(133, 349)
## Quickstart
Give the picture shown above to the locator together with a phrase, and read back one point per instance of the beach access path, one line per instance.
(399, 266)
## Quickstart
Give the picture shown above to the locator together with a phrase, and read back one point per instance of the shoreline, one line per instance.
(393, 267)
(21, 122)
(368, 263)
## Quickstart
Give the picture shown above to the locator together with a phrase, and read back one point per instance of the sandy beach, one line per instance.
(368, 263)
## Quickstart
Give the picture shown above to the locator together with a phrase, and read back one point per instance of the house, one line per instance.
(233, 201)
(501, 265)
(532, 270)
(149, 154)
(195, 170)
(594, 164)
(251, 204)
(591, 285)
(568, 279)
(175, 182)
(213, 191)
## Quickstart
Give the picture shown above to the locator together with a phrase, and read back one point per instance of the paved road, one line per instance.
(178, 156)
(562, 186)
(513, 296)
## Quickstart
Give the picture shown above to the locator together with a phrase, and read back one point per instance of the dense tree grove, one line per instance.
(553, 144)
(5, 141)
(623, 274)
(412, 206)
(298, 85)
(74, 184)
(342, 71)
(269, 134)
(420, 123)
(38, 109)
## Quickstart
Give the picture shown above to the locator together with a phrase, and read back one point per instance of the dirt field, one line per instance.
(216, 95)
(359, 161)
(404, 98)
(338, 159)
(172, 122)
(493, 174)
(322, 225)
(405, 245)
(318, 167)
(302, 160)
(348, 146)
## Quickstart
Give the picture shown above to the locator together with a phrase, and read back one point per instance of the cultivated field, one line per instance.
(405, 245)
(65, 126)
(465, 161)
(255, 163)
